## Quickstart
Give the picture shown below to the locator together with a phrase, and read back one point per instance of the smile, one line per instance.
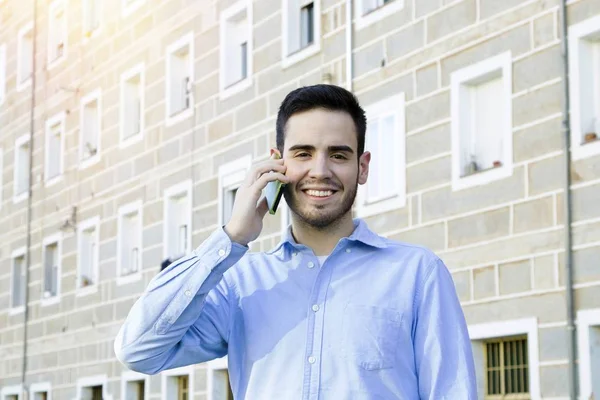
(322, 194)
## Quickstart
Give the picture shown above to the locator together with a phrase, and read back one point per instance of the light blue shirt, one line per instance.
(379, 319)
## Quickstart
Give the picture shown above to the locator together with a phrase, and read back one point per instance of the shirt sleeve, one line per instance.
(442, 348)
(182, 317)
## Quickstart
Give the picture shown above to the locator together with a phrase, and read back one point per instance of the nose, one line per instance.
(320, 167)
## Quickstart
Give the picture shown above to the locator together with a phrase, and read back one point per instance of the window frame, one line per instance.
(135, 207)
(462, 77)
(230, 177)
(47, 241)
(480, 333)
(227, 89)
(95, 95)
(40, 387)
(576, 34)
(132, 376)
(186, 40)
(88, 33)
(52, 8)
(137, 70)
(91, 381)
(391, 105)
(17, 253)
(60, 119)
(586, 319)
(175, 191)
(25, 30)
(291, 58)
(21, 140)
(11, 391)
(218, 364)
(82, 227)
(168, 376)
(364, 20)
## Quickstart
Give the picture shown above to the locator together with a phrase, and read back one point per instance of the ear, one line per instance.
(363, 167)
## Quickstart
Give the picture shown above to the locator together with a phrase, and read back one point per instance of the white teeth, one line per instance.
(319, 193)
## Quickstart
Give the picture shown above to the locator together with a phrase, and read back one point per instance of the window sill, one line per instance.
(483, 177)
(585, 149)
(131, 140)
(373, 16)
(86, 290)
(20, 197)
(21, 86)
(53, 181)
(300, 55)
(179, 116)
(130, 9)
(126, 279)
(45, 302)
(234, 88)
(382, 206)
(51, 64)
(16, 310)
(89, 161)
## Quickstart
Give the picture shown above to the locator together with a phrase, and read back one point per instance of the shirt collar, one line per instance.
(361, 234)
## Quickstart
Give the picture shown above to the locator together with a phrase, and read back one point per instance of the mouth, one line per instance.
(319, 194)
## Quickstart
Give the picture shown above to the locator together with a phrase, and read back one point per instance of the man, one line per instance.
(334, 311)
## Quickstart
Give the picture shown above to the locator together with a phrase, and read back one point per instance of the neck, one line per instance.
(322, 241)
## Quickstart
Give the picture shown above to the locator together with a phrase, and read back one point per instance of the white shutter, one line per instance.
(373, 187)
(489, 115)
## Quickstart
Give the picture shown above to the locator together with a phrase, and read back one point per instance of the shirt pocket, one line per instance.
(370, 335)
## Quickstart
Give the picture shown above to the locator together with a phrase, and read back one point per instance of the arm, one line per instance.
(443, 354)
(183, 316)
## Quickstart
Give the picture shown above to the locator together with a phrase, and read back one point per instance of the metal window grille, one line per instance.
(183, 387)
(507, 369)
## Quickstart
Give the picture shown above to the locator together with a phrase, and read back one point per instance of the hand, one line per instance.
(248, 213)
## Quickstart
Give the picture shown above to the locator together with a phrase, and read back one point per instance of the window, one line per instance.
(40, 391)
(178, 220)
(55, 143)
(21, 170)
(584, 67)
(134, 386)
(368, 12)
(89, 129)
(219, 387)
(588, 339)
(52, 268)
(481, 109)
(180, 79)
(25, 56)
(129, 246)
(506, 359)
(17, 302)
(301, 30)
(92, 388)
(91, 17)
(130, 6)
(132, 105)
(57, 33)
(87, 255)
(178, 384)
(385, 139)
(231, 176)
(236, 48)
(11, 392)
(2, 73)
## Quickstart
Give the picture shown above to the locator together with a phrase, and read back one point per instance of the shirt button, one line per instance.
(188, 293)
(311, 264)
(315, 307)
(221, 252)
(348, 250)
(311, 359)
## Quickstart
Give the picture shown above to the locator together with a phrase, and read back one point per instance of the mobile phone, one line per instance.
(273, 192)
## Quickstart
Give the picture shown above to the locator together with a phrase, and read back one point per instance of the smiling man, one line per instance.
(334, 311)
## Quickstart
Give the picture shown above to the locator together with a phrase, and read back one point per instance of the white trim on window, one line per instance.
(286, 215)
(132, 376)
(362, 20)
(584, 72)
(83, 227)
(171, 196)
(19, 196)
(91, 381)
(88, 30)
(139, 125)
(40, 387)
(17, 253)
(126, 211)
(463, 82)
(58, 119)
(381, 165)
(24, 82)
(291, 32)
(586, 319)
(171, 374)
(230, 85)
(186, 44)
(49, 240)
(85, 156)
(2, 73)
(526, 326)
(231, 176)
(128, 7)
(11, 391)
(55, 56)
(1, 177)
(218, 364)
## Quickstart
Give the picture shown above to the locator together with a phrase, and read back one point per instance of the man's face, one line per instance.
(320, 152)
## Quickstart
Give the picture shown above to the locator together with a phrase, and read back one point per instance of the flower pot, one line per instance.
(497, 164)
(590, 137)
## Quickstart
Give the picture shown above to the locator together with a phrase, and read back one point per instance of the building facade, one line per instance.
(146, 116)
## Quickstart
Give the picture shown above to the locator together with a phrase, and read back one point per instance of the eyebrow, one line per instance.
(332, 149)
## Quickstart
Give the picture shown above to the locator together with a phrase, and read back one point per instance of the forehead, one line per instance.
(321, 128)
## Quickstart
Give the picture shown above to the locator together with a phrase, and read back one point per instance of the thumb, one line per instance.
(262, 207)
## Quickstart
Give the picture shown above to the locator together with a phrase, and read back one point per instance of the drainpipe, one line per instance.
(566, 131)
(29, 201)
(349, 58)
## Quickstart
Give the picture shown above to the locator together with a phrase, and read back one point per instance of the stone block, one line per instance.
(585, 202)
(515, 277)
(168, 152)
(537, 140)
(425, 7)
(384, 26)
(537, 68)
(533, 215)
(403, 42)
(546, 175)
(369, 58)
(205, 217)
(263, 9)
(544, 275)
(220, 127)
(484, 282)
(587, 233)
(478, 227)
(538, 104)
(586, 169)
(554, 381)
(231, 154)
(427, 79)
(263, 33)
(427, 111)
(267, 56)
(400, 84)
(553, 343)
(205, 192)
(462, 283)
(251, 113)
(389, 221)
(586, 265)
(431, 236)
(428, 174)
(451, 19)
(489, 8)
(333, 47)
(543, 29)
(581, 11)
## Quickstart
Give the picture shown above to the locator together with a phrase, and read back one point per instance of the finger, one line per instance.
(268, 169)
(262, 168)
(261, 183)
(263, 207)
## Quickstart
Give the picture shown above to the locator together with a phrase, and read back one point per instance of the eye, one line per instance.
(302, 154)
(339, 157)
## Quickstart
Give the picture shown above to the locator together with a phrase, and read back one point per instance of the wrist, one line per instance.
(234, 237)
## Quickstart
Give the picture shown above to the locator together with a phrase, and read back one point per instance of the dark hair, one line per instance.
(328, 97)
